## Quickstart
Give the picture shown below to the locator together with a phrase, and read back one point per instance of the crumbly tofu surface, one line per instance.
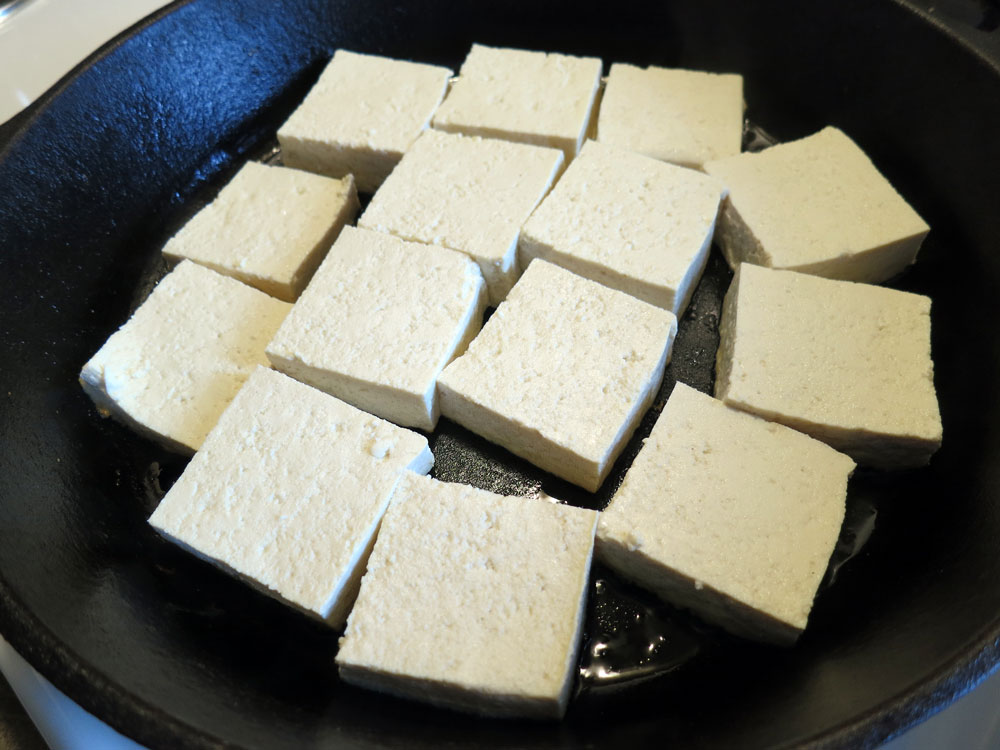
(469, 194)
(848, 363)
(728, 515)
(472, 601)
(817, 205)
(379, 321)
(532, 97)
(561, 373)
(629, 222)
(170, 371)
(361, 115)
(269, 227)
(687, 117)
(288, 492)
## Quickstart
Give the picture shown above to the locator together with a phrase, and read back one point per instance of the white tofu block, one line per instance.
(361, 115)
(728, 515)
(171, 370)
(288, 491)
(816, 205)
(269, 227)
(472, 601)
(849, 364)
(561, 373)
(379, 321)
(468, 194)
(629, 222)
(531, 97)
(687, 117)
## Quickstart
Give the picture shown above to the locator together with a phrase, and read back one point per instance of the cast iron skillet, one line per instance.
(173, 652)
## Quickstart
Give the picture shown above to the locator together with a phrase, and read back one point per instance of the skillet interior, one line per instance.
(170, 651)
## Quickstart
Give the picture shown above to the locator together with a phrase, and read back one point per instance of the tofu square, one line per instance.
(171, 370)
(728, 515)
(629, 222)
(687, 117)
(468, 194)
(288, 491)
(817, 205)
(561, 373)
(361, 115)
(269, 227)
(848, 363)
(379, 321)
(531, 97)
(472, 601)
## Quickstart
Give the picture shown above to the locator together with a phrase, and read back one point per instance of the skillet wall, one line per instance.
(97, 172)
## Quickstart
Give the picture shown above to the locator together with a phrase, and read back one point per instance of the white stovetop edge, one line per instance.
(62, 723)
(42, 40)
